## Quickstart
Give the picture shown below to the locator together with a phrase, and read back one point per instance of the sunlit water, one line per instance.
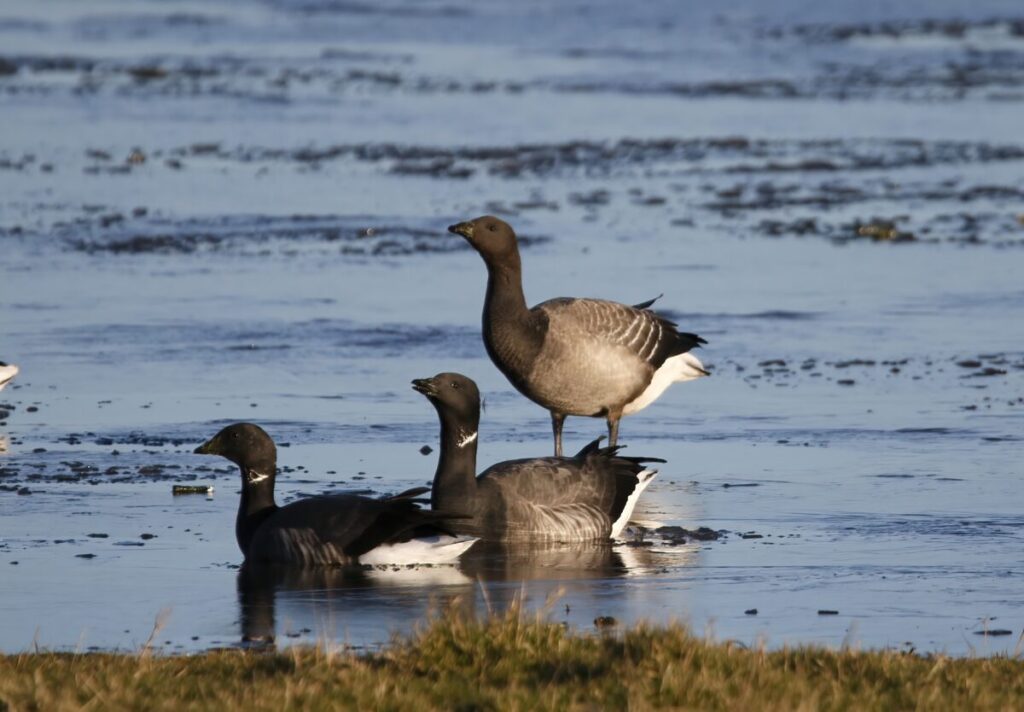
(275, 251)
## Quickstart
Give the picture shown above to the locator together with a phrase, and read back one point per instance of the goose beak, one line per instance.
(463, 228)
(424, 386)
(207, 448)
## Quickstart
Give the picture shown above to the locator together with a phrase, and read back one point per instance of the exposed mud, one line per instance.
(729, 154)
(770, 187)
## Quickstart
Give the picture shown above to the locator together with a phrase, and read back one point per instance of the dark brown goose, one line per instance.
(326, 530)
(575, 356)
(584, 498)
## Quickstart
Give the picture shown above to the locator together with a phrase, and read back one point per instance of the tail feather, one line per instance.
(648, 303)
(630, 474)
(644, 478)
(593, 448)
(407, 494)
(691, 367)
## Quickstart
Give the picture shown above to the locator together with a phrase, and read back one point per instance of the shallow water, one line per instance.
(212, 212)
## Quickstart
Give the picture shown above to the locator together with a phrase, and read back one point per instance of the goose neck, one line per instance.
(455, 479)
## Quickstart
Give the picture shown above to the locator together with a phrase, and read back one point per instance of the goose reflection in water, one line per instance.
(364, 606)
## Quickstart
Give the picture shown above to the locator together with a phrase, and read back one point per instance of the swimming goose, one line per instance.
(583, 498)
(7, 372)
(575, 356)
(331, 529)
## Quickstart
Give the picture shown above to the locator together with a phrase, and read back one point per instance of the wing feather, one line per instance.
(564, 498)
(652, 338)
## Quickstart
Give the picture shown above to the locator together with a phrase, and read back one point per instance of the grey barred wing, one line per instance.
(559, 498)
(646, 335)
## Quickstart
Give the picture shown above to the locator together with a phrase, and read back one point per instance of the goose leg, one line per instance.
(613, 429)
(557, 419)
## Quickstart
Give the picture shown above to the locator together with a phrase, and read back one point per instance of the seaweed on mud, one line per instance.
(348, 236)
(958, 228)
(952, 28)
(964, 69)
(728, 154)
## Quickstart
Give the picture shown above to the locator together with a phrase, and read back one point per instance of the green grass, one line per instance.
(511, 663)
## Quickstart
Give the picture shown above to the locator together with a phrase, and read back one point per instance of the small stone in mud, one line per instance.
(987, 371)
(994, 631)
(846, 381)
(699, 534)
(147, 536)
(85, 556)
(854, 362)
(98, 535)
(35, 409)
(827, 612)
(969, 363)
(750, 612)
(191, 489)
(751, 535)
(24, 491)
(426, 450)
(883, 230)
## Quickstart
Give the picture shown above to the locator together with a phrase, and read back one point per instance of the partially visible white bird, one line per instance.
(7, 372)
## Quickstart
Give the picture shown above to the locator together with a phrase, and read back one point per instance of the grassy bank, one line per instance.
(514, 664)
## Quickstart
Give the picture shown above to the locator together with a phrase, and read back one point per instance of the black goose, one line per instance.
(326, 530)
(582, 498)
(7, 372)
(575, 356)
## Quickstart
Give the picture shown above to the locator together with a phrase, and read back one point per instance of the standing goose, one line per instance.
(326, 530)
(7, 372)
(575, 356)
(583, 498)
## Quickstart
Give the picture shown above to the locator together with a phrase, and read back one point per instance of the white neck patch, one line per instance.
(253, 477)
(466, 439)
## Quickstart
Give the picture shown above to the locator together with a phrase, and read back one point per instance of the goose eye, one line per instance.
(455, 385)
(492, 227)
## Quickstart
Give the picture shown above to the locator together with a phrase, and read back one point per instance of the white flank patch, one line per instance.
(645, 477)
(684, 367)
(254, 477)
(425, 550)
(7, 373)
(467, 439)
(418, 575)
